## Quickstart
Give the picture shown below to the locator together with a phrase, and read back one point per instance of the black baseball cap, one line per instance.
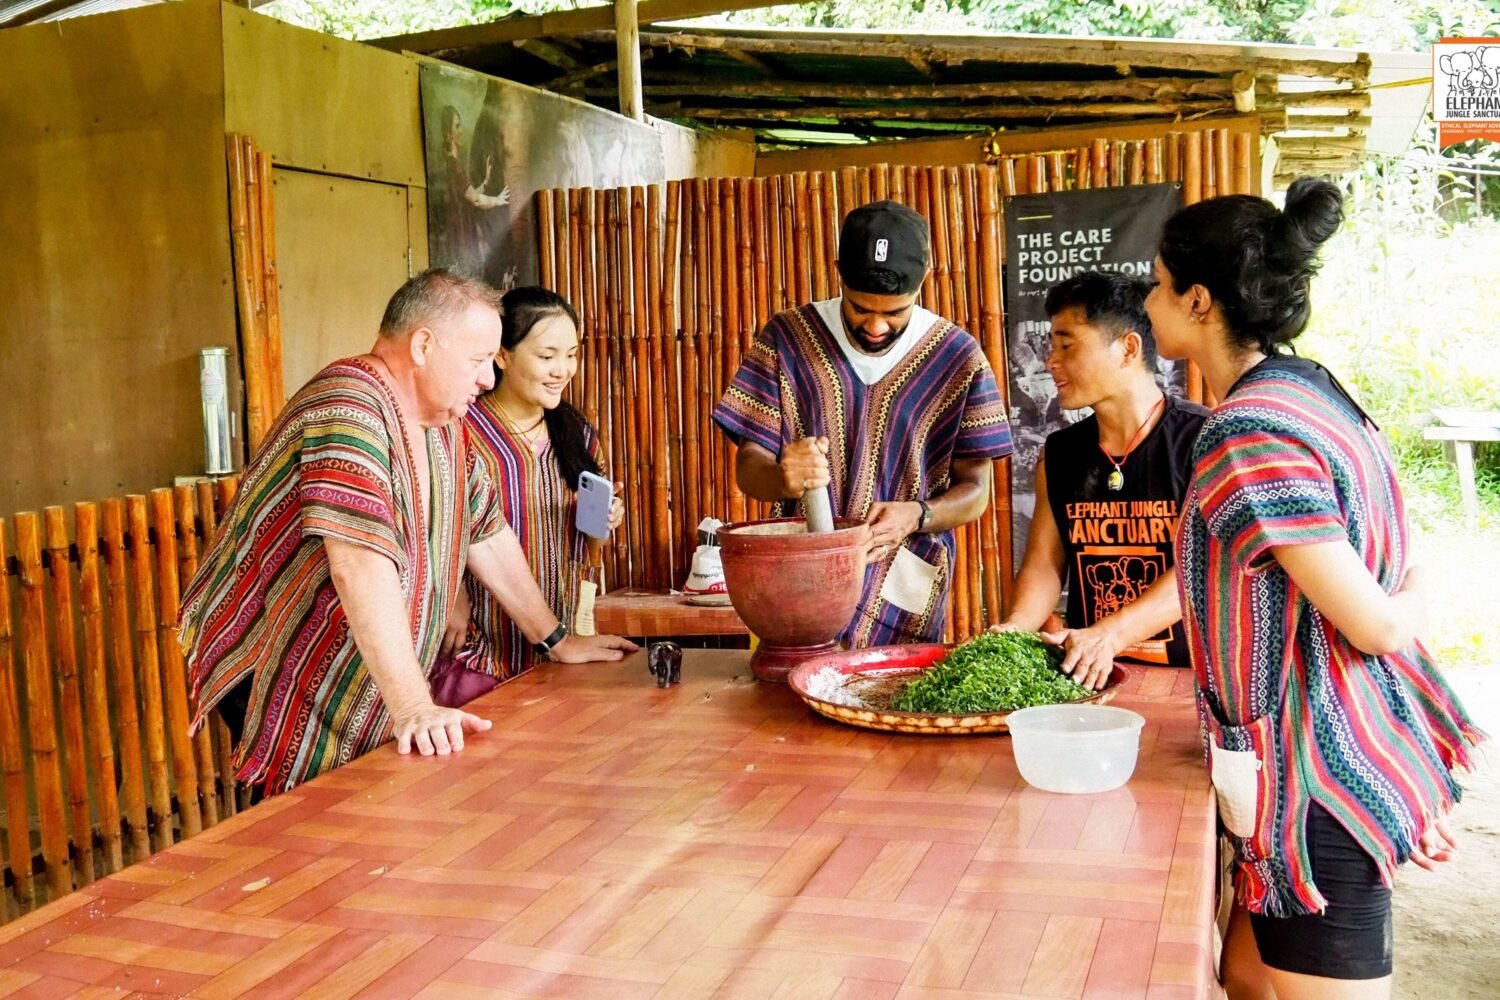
(888, 236)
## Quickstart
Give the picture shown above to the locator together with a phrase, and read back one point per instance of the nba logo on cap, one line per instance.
(882, 250)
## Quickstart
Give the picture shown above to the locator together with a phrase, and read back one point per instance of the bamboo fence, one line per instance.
(672, 282)
(97, 769)
(252, 218)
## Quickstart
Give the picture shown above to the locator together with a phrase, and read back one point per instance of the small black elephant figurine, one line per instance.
(664, 660)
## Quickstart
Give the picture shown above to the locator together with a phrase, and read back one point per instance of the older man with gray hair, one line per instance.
(314, 621)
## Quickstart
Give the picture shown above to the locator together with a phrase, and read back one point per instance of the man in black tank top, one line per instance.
(1108, 488)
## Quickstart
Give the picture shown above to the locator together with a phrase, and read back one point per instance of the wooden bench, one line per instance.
(1460, 430)
(653, 613)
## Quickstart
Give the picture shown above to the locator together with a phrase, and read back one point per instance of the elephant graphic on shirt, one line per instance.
(1114, 584)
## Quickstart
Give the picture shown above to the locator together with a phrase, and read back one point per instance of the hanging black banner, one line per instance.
(1049, 238)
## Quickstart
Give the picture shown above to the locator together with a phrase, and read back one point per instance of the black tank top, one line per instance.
(1117, 542)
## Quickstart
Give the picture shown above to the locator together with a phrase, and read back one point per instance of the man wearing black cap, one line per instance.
(891, 407)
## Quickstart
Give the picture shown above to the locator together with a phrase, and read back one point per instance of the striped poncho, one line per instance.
(894, 440)
(336, 464)
(1285, 460)
(541, 508)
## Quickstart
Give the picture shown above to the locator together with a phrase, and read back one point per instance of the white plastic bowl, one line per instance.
(1078, 749)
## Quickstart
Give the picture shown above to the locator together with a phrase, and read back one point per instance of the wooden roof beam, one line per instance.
(1043, 53)
(954, 113)
(548, 53)
(566, 22)
(1136, 89)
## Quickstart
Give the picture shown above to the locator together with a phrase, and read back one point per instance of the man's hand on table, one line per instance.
(592, 648)
(434, 730)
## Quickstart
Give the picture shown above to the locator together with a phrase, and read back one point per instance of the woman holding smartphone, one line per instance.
(540, 448)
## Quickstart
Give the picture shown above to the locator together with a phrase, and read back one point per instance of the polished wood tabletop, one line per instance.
(609, 839)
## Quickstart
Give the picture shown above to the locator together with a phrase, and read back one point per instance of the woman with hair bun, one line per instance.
(1331, 737)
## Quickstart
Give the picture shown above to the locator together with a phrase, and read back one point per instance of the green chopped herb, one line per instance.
(991, 673)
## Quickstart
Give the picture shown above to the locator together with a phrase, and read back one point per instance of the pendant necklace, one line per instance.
(527, 435)
(1116, 480)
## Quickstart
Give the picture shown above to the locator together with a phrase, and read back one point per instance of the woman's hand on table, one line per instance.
(1088, 653)
(456, 633)
(432, 729)
(592, 648)
(1436, 845)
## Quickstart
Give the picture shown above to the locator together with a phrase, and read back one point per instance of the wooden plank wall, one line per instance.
(672, 282)
(97, 769)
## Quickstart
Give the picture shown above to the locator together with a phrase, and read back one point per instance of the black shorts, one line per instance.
(1352, 938)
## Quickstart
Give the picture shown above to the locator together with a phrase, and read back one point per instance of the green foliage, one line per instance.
(1404, 312)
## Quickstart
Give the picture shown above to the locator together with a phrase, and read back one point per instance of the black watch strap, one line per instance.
(547, 645)
(926, 515)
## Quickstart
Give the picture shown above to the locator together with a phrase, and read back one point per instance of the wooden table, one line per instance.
(652, 613)
(611, 840)
(1460, 430)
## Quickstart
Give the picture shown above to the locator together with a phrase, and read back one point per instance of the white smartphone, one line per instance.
(594, 496)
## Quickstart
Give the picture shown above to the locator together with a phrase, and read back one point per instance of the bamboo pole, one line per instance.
(1210, 164)
(616, 294)
(657, 344)
(1137, 169)
(880, 182)
(1057, 172)
(203, 748)
(546, 231)
(900, 190)
(692, 492)
(766, 231)
(152, 708)
(589, 272)
(1036, 175)
(707, 362)
(957, 247)
(998, 548)
(848, 191)
(252, 342)
(270, 282)
(1223, 165)
(174, 671)
(1192, 192)
(672, 373)
(127, 711)
(223, 749)
(1173, 154)
(958, 606)
(734, 293)
(714, 282)
(831, 226)
(638, 406)
(46, 769)
(971, 246)
(1083, 168)
(1244, 163)
(70, 689)
(817, 256)
(1007, 170)
(942, 276)
(12, 756)
(749, 253)
(1154, 169)
(801, 212)
(1117, 164)
(920, 186)
(750, 250)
